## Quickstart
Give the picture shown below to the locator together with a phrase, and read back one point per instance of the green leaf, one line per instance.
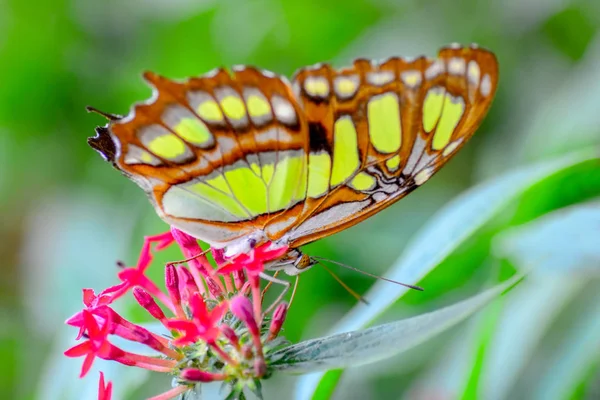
(380, 342)
(562, 248)
(526, 316)
(449, 228)
(193, 394)
(563, 241)
(576, 354)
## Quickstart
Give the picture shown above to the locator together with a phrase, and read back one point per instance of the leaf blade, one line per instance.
(379, 342)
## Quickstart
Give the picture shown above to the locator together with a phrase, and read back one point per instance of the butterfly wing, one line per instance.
(386, 129)
(217, 155)
(228, 157)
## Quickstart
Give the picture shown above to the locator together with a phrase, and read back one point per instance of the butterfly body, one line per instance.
(241, 158)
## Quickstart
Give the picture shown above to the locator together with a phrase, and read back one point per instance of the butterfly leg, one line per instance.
(262, 297)
(272, 279)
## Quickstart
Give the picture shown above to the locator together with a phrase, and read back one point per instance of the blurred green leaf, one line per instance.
(574, 356)
(362, 347)
(564, 241)
(525, 317)
(571, 30)
(562, 249)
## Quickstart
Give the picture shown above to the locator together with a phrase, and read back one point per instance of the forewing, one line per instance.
(387, 128)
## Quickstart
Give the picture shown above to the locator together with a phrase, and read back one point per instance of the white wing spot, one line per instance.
(486, 85)
(456, 66)
(316, 86)
(346, 86)
(411, 78)
(473, 72)
(380, 78)
(451, 147)
(434, 69)
(283, 110)
(423, 176)
(379, 197)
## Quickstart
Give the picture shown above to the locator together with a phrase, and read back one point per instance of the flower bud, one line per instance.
(148, 303)
(277, 321)
(241, 307)
(260, 368)
(196, 375)
(247, 352)
(189, 284)
(231, 336)
(218, 255)
(184, 240)
(172, 284)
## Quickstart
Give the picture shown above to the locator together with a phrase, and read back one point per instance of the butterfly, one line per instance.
(244, 157)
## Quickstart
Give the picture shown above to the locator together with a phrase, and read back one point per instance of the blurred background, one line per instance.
(67, 216)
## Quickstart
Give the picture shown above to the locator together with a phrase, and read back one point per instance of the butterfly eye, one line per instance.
(304, 262)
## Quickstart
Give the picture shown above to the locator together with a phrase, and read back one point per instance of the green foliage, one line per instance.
(67, 216)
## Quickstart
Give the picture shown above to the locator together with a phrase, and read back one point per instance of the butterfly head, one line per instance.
(293, 263)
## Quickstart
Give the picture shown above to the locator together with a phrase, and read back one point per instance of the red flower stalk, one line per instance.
(104, 391)
(207, 341)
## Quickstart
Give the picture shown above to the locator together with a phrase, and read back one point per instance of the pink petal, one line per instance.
(88, 296)
(78, 350)
(87, 364)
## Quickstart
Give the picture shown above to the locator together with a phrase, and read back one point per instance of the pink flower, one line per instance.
(253, 263)
(203, 325)
(195, 307)
(135, 276)
(97, 344)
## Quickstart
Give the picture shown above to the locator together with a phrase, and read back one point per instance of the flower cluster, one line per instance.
(218, 331)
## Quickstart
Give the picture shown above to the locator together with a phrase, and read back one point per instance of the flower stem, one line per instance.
(223, 354)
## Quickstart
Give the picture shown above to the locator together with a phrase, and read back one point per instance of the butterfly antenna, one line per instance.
(369, 274)
(175, 263)
(108, 116)
(352, 292)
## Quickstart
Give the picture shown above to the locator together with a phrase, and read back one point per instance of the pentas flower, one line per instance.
(218, 331)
